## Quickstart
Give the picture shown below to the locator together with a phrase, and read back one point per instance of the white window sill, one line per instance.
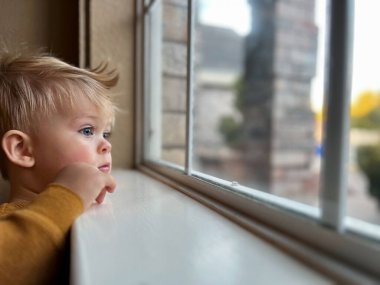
(149, 233)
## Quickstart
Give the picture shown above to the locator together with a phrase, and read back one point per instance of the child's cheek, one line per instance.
(85, 157)
(80, 154)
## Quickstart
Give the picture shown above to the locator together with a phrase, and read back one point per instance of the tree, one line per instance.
(229, 127)
(365, 114)
(368, 158)
(365, 111)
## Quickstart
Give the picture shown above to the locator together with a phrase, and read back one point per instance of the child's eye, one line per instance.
(106, 135)
(87, 131)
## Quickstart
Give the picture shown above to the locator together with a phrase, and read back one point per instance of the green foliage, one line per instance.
(365, 114)
(370, 121)
(230, 129)
(239, 88)
(228, 126)
(368, 158)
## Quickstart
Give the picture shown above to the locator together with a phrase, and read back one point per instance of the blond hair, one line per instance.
(34, 87)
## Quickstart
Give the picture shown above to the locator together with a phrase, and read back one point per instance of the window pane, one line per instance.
(364, 168)
(166, 82)
(258, 93)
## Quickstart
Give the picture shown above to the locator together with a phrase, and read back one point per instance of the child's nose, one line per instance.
(105, 146)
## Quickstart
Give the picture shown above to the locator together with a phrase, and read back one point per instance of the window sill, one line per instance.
(150, 233)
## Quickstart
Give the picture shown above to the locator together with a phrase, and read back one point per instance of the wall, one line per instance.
(112, 40)
(174, 72)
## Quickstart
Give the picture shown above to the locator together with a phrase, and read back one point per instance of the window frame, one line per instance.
(346, 239)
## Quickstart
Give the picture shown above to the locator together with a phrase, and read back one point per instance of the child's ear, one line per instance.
(18, 148)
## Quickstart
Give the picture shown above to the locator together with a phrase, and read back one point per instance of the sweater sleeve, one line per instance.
(32, 238)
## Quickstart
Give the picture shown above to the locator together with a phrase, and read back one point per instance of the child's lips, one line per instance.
(106, 168)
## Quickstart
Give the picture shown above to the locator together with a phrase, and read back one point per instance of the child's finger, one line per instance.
(101, 196)
(110, 189)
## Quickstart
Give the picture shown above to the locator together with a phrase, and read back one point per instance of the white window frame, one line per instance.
(326, 229)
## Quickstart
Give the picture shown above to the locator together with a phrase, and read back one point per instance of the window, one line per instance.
(248, 102)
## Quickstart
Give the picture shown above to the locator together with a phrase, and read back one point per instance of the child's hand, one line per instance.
(87, 181)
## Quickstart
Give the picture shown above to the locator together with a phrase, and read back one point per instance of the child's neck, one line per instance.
(21, 195)
(24, 184)
(21, 191)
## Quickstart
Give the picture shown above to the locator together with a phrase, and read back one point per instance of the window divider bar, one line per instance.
(139, 82)
(146, 86)
(189, 88)
(337, 95)
(149, 6)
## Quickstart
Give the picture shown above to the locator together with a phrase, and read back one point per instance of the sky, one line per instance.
(366, 46)
(235, 14)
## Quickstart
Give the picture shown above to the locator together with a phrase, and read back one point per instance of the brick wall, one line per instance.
(280, 64)
(292, 120)
(174, 71)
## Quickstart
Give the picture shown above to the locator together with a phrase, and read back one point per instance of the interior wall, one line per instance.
(112, 40)
(24, 24)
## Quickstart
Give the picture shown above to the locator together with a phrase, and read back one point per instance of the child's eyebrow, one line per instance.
(93, 119)
(84, 115)
(90, 116)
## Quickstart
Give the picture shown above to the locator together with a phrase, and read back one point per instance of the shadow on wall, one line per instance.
(4, 190)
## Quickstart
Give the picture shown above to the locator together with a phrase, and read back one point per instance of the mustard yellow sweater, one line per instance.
(32, 235)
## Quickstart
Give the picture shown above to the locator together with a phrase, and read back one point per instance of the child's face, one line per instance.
(80, 135)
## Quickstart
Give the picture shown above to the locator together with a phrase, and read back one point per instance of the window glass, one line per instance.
(258, 94)
(166, 75)
(364, 159)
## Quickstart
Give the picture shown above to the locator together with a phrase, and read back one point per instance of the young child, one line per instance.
(55, 122)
